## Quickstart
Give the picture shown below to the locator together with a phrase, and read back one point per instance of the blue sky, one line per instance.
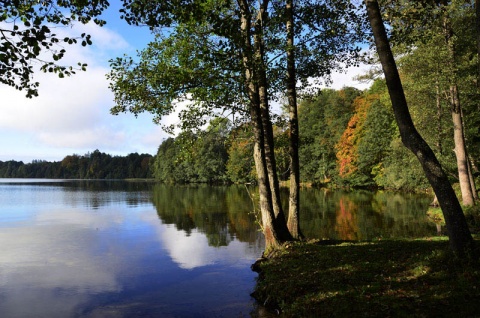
(71, 115)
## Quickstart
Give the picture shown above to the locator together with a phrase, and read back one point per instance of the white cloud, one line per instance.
(50, 256)
(105, 42)
(193, 250)
(346, 78)
(155, 138)
(104, 38)
(84, 138)
(64, 104)
(72, 115)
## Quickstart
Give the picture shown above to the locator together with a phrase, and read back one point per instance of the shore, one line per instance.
(384, 278)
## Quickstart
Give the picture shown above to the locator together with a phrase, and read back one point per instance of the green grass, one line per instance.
(394, 278)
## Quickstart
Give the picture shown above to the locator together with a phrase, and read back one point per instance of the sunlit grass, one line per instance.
(392, 278)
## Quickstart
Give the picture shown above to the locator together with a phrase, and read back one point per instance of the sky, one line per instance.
(72, 115)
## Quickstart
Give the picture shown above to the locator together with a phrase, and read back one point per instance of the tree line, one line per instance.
(348, 138)
(94, 165)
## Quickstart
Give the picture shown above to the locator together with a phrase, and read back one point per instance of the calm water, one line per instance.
(132, 249)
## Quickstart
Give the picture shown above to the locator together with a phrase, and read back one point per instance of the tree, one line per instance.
(477, 33)
(347, 146)
(365, 141)
(26, 38)
(322, 121)
(218, 56)
(447, 27)
(293, 222)
(95, 165)
(164, 162)
(215, 67)
(211, 153)
(376, 138)
(461, 240)
(255, 82)
(457, 116)
(240, 166)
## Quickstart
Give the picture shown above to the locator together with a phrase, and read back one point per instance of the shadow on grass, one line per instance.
(416, 278)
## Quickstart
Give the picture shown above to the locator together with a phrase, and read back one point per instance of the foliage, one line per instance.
(320, 123)
(26, 38)
(347, 137)
(393, 174)
(427, 77)
(218, 154)
(375, 140)
(347, 146)
(94, 165)
(240, 167)
(190, 65)
(193, 158)
(224, 154)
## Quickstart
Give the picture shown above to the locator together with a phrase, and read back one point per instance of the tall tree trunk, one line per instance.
(460, 238)
(461, 149)
(457, 118)
(280, 222)
(272, 240)
(293, 222)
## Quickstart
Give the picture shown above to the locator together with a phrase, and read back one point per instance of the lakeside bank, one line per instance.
(382, 278)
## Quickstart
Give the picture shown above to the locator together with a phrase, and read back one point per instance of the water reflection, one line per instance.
(364, 215)
(107, 257)
(211, 218)
(120, 249)
(48, 268)
(225, 213)
(221, 213)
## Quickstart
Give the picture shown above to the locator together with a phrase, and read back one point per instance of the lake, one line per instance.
(141, 249)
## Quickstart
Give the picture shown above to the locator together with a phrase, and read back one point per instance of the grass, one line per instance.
(392, 278)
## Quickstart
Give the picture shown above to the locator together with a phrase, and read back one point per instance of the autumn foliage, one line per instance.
(347, 147)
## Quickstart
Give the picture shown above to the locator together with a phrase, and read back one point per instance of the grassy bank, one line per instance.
(394, 278)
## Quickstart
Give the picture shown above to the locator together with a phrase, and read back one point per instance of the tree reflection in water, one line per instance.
(223, 213)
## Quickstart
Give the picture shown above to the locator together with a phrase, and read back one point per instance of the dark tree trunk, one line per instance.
(461, 240)
(293, 222)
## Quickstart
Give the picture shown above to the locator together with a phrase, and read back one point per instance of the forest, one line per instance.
(93, 165)
(348, 138)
